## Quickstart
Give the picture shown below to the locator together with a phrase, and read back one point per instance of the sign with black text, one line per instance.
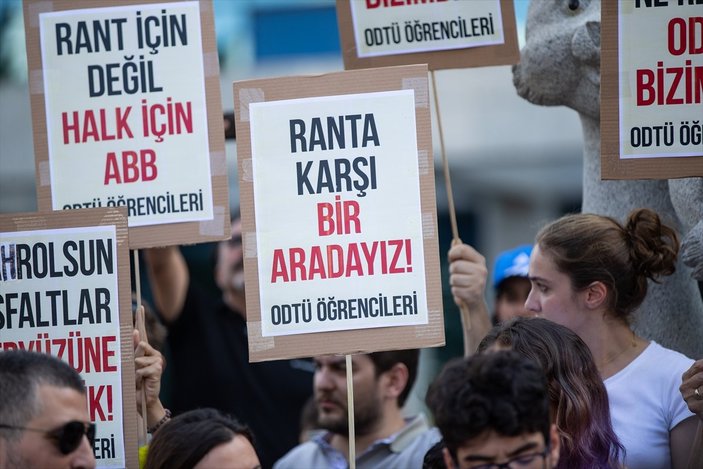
(64, 290)
(440, 33)
(116, 112)
(342, 204)
(652, 105)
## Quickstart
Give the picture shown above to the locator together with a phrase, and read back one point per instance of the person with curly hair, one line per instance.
(577, 396)
(493, 412)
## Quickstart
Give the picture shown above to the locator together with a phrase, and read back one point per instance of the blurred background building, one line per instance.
(513, 165)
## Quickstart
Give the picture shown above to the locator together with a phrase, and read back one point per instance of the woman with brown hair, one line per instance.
(589, 273)
(578, 399)
(202, 438)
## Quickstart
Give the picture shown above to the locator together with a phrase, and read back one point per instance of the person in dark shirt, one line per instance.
(209, 356)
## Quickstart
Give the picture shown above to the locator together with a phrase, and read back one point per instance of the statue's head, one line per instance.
(560, 63)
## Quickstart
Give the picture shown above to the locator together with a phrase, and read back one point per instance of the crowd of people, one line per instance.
(559, 380)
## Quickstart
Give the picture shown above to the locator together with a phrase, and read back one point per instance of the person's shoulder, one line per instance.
(425, 440)
(672, 358)
(413, 453)
(429, 437)
(659, 366)
(654, 366)
(417, 436)
(303, 455)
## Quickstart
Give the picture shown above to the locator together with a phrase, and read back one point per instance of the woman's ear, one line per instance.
(596, 295)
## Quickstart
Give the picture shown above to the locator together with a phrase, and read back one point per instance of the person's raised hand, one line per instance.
(467, 275)
(692, 388)
(148, 367)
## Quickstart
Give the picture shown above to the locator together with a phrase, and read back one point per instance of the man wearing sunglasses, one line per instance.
(44, 419)
(493, 412)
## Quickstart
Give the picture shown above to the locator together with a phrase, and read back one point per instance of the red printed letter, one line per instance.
(325, 224)
(129, 166)
(645, 86)
(149, 171)
(68, 126)
(112, 171)
(279, 266)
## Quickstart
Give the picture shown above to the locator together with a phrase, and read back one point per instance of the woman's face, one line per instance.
(238, 453)
(552, 295)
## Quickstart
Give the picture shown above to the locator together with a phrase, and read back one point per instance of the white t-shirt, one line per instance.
(645, 404)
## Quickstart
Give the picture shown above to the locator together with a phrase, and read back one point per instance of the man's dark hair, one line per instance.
(434, 457)
(21, 374)
(502, 391)
(187, 438)
(384, 361)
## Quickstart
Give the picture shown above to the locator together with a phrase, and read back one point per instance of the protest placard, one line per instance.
(65, 290)
(440, 33)
(651, 89)
(116, 122)
(338, 213)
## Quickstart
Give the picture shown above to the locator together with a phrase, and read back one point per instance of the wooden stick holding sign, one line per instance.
(140, 325)
(463, 307)
(350, 412)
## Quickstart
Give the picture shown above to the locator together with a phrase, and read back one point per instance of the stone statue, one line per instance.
(560, 65)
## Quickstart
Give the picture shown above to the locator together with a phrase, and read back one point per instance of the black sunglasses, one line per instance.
(67, 437)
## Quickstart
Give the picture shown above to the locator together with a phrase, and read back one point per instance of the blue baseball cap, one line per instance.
(512, 263)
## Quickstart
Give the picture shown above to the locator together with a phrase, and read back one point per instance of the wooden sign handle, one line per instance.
(350, 413)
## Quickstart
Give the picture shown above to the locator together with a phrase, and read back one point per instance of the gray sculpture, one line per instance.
(560, 65)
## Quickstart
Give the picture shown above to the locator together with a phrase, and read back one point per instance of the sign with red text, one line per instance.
(652, 101)
(116, 123)
(338, 211)
(64, 290)
(441, 33)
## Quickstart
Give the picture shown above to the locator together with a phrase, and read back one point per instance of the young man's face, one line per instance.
(330, 386)
(510, 302)
(490, 450)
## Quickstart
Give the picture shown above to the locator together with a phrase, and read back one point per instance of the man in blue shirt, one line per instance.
(383, 436)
